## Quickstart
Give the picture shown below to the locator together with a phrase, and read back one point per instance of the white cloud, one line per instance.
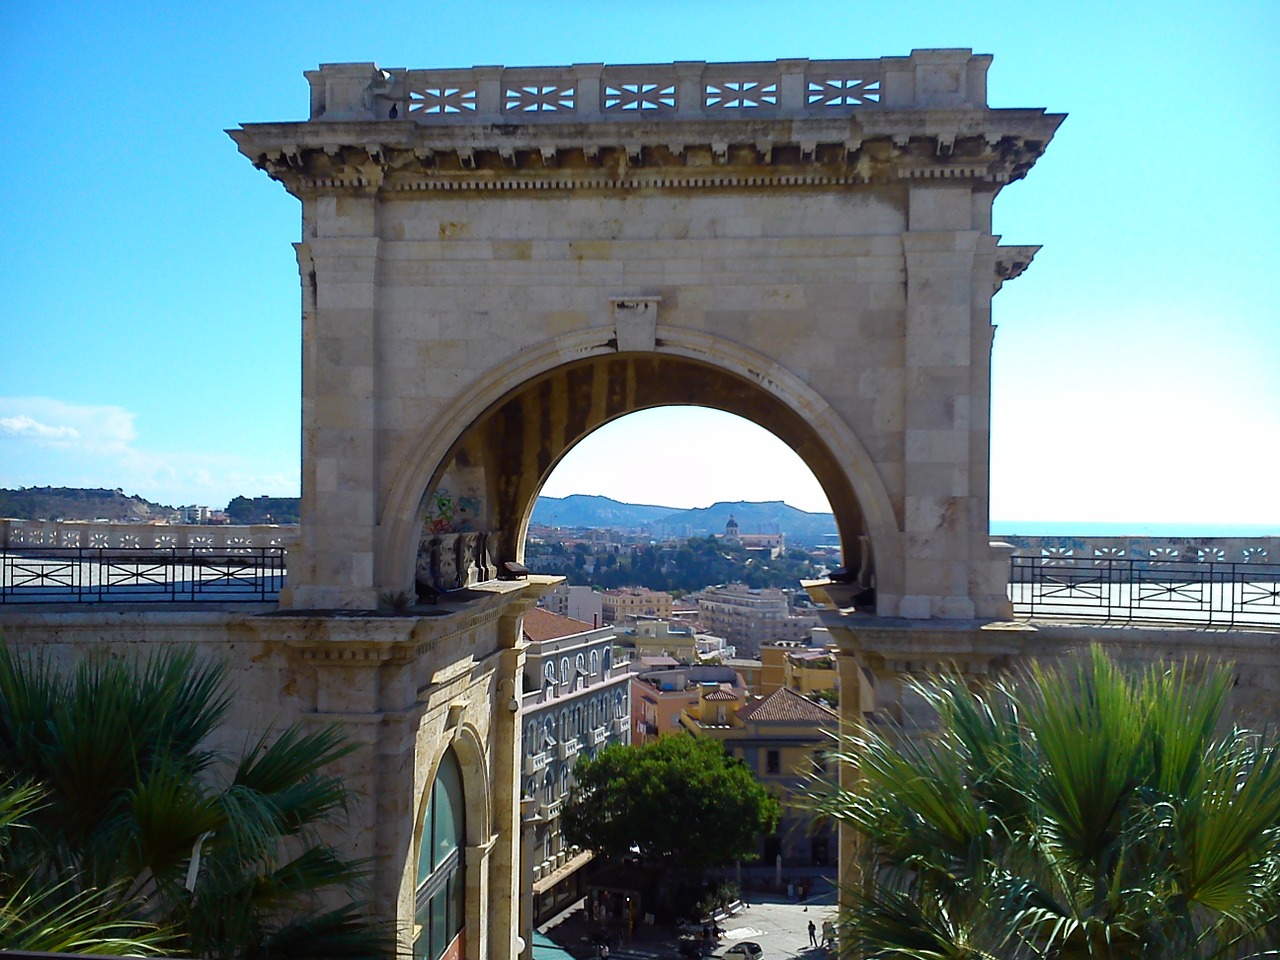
(48, 442)
(50, 421)
(24, 426)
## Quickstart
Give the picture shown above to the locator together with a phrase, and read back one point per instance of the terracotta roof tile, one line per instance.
(786, 706)
(540, 624)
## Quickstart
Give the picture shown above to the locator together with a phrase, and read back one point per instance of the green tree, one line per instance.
(1075, 812)
(681, 801)
(139, 813)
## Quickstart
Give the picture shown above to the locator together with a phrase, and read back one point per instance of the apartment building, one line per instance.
(634, 602)
(576, 603)
(748, 617)
(784, 738)
(576, 701)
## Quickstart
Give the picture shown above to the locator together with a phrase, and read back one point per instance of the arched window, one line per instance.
(608, 658)
(565, 676)
(531, 744)
(595, 662)
(441, 889)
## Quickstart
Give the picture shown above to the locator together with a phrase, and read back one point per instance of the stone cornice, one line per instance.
(367, 639)
(402, 158)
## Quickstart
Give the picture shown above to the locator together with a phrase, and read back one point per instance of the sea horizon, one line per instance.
(1080, 528)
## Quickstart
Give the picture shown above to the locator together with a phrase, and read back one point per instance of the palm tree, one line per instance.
(140, 814)
(1078, 811)
(49, 920)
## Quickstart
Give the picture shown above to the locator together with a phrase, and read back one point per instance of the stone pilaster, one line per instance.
(339, 408)
(857, 697)
(506, 877)
(939, 505)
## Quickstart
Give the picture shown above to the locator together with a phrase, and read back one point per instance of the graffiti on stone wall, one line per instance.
(449, 514)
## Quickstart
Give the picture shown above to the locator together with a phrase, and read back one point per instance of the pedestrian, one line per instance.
(813, 934)
(828, 933)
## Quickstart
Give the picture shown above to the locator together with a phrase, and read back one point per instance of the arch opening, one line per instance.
(746, 491)
(492, 473)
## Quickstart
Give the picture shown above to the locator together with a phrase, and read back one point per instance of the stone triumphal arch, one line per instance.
(497, 261)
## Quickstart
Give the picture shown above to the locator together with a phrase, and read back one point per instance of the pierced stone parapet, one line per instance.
(629, 92)
(70, 534)
(1099, 551)
(650, 126)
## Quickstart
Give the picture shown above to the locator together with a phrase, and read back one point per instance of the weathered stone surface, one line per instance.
(491, 273)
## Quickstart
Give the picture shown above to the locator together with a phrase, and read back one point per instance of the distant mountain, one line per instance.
(774, 516)
(581, 510)
(75, 503)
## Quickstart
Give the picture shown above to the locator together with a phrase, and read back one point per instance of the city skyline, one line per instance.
(151, 332)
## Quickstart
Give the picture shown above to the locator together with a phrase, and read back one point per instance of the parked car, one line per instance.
(744, 950)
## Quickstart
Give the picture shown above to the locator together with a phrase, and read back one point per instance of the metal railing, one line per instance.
(108, 575)
(1184, 592)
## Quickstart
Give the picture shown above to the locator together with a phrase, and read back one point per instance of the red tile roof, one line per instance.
(784, 705)
(542, 624)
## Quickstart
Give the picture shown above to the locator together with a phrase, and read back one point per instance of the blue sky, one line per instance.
(150, 325)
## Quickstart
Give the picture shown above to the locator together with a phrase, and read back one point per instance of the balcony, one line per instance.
(535, 762)
(599, 736)
(568, 749)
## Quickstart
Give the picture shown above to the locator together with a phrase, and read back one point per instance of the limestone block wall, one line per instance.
(405, 688)
(819, 284)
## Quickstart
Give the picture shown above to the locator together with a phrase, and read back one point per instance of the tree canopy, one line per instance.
(697, 562)
(1075, 812)
(681, 801)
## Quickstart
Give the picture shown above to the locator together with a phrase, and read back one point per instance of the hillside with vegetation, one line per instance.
(775, 516)
(84, 503)
(76, 503)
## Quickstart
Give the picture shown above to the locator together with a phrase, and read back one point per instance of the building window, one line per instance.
(441, 887)
(595, 662)
(772, 762)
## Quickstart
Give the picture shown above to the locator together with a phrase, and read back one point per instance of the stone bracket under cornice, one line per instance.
(1011, 262)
